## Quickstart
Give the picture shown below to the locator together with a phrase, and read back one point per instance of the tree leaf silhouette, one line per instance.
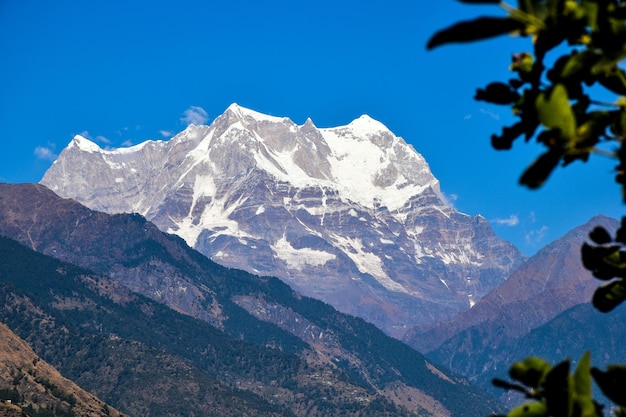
(473, 30)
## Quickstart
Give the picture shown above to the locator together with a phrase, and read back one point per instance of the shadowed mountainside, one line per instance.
(317, 344)
(548, 295)
(547, 284)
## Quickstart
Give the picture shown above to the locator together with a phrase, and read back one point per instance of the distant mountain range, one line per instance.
(244, 345)
(350, 215)
(543, 309)
(547, 284)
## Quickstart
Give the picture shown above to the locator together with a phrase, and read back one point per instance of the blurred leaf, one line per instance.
(535, 409)
(609, 296)
(582, 387)
(530, 372)
(620, 234)
(546, 40)
(604, 262)
(618, 122)
(522, 62)
(620, 178)
(549, 138)
(473, 30)
(591, 12)
(619, 12)
(612, 383)
(555, 112)
(578, 65)
(497, 93)
(621, 121)
(593, 127)
(600, 236)
(595, 118)
(614, 81)
(556, 390)
(530, 6)
(509, 134)
(555, 7)
(537, 173)
(499, 383)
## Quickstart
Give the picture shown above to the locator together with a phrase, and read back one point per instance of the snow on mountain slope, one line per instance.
(350, 214)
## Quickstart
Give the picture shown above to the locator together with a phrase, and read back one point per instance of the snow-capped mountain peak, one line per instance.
(365, 125)
(84, 144)
(246, 113)
(350, 214)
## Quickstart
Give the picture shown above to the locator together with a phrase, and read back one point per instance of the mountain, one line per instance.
(580, 328)
(267, 348)
(481, 342)
(30, 386)
(350, 215)
(547, 284)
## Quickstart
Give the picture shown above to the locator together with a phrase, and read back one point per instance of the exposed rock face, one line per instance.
(351, 215)
(271, 339)
(121, 246)
(478, 343)
(549, 283)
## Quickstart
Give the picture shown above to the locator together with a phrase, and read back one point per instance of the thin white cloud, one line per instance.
(103, 139)
(467, 116)
(490, 114)
(536, 237)
(195, 115)
(100, 139)
(512, 220)
(449, 199)
(45, 152)
(165, 133)
(127, 143)
(121, 131)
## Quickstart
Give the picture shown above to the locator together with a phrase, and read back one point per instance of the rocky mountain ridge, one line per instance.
(543, 301)
(288, 329)
(351, 215)
(550, 282)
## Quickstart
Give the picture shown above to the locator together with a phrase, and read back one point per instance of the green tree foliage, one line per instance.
(553, 105)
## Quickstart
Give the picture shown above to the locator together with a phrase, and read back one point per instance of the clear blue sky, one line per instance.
(127, 71)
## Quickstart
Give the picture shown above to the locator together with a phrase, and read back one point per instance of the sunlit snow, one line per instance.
(366, 262)
(84, 144)
(362, 164)
(298, 258)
